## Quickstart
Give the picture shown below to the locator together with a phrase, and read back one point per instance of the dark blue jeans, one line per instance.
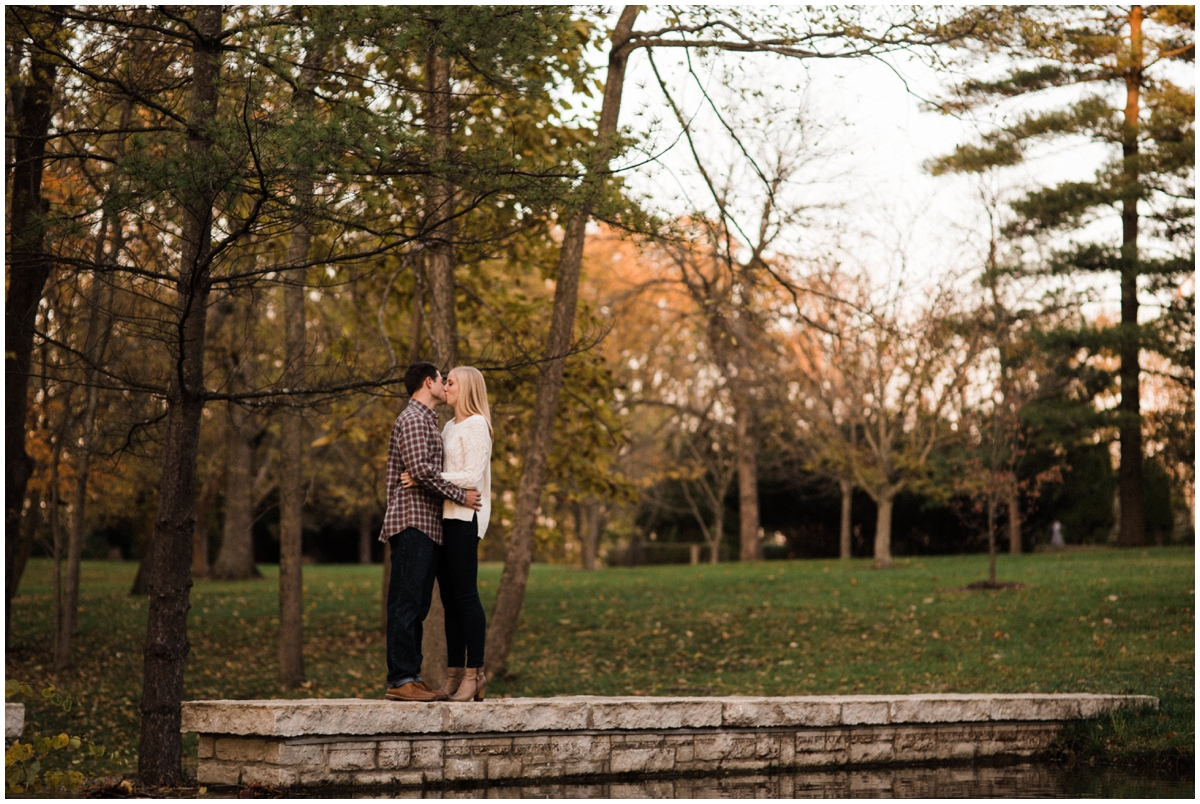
(457, 574)
(410, 591)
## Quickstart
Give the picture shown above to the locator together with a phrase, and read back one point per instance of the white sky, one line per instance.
(876, 199)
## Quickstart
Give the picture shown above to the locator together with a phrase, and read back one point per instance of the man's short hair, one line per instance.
(417, 374)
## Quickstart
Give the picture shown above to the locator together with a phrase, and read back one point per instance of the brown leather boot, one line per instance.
(414, 691)
(473, 684)
(453, 677)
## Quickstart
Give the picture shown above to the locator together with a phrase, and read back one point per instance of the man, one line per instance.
(413, 525)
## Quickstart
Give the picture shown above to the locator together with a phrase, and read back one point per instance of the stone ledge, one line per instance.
(356, 716)
(14, 720)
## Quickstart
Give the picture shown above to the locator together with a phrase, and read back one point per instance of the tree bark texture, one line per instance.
(883, 531)
(160, 747)
(28, 268)
(539, 438)
(235, 560)
(291, 447)
(439, 213)
(204, 504)
(1014, 520)
(847, 489)
(747, 458)
(366, 532)
(991, 538)
(1132, 522)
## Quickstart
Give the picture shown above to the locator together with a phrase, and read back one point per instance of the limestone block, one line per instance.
(531, 749)
(915, 744)
(14, 720)
(426, 754)
(860, 709)
(685, 752)
(579, 748)
(488, 746)
(465, 767)
(945, 708)
(458, 748)
(787, 750)
(711, 747)
(515, 714)
(503, 767)
(766, 746)
(767, 712)
(655, 713)
(352, 756)
(837, 740)
(641, 760)
(307, 717)
(206, 746)
(280, 753)
(273, 775)
(809, 741)
(878, 749)
(211, 772)
(393, 754)
(240, 749)
(1035, 707)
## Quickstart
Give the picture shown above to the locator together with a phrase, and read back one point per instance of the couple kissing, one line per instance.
(438, 504)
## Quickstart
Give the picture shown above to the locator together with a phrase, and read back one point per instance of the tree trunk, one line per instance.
(291, 447)
(78, 533)
(747, 458)
(991, 536)
(62, 622)
(1132, 523)
(235, 561)
(28, 269)
(538, 440)
(97, 340)
(883, 531)
(718, 533)
(847, 489)
(439, 213)
(1014, 519)
(204, 504)
(589, 536)
(365, 534)
(160, 747)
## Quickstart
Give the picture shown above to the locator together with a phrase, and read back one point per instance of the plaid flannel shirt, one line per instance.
(416, 448)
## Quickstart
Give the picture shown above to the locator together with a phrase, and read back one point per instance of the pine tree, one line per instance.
(1111, 67)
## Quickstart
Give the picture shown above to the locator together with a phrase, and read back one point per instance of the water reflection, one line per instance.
(1008, 781)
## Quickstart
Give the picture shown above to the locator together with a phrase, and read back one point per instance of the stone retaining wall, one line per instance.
(359, 742)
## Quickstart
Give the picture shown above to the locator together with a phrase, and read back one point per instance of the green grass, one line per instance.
(1087, 621)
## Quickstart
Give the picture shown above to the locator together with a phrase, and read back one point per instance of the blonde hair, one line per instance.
(472, 395)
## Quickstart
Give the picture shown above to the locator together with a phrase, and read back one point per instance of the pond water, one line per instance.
(1024, 780)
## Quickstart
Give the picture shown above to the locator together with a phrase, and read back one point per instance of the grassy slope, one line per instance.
(1089, 621)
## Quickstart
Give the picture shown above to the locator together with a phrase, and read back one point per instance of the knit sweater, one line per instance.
(468, 465)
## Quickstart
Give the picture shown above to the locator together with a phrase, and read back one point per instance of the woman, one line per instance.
(468, 457)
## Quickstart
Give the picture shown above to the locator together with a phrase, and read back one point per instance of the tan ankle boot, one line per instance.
(474, 682)
(452, 680)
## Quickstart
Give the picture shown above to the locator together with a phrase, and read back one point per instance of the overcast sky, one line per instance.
(864, 144)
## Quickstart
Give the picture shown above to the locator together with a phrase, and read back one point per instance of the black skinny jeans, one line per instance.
(457, 574)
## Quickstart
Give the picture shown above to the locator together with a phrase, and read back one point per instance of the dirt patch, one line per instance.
(983, 586)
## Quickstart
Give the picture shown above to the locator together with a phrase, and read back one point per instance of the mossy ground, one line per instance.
(1112, 621)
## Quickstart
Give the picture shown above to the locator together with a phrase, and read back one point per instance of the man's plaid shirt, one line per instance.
(416, 448)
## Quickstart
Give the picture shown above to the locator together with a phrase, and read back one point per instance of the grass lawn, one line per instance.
(1114, 621)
